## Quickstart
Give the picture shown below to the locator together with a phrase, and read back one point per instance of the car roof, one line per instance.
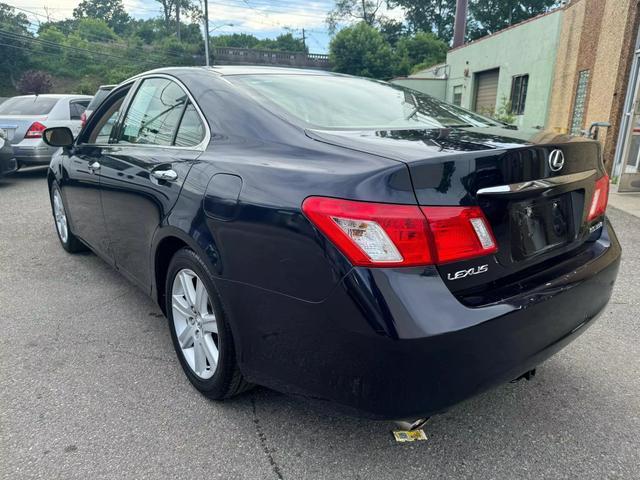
(54, 95)
(226, 70)
(259, 69)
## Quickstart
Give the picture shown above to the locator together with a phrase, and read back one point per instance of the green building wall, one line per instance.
(527, 48)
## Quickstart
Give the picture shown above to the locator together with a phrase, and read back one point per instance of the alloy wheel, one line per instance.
(195, 323)
(60, 216)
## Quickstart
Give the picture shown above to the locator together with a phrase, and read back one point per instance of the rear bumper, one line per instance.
(396, 344)
(8, 164)
(36, 155)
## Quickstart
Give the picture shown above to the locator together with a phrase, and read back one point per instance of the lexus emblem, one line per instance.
(556, 160)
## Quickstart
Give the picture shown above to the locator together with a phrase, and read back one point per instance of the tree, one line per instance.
(435, 16)
(392, 31)
(361, 50)
(111, 11)
(350, 11)
(489, 16)
(285, 42)
(423, 49)
(15, 57)
(34, 82)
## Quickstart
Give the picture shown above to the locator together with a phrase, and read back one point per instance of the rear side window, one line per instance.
(154, 113)
(100, 95)
(28, 106)
(191, 131)
(77, 108)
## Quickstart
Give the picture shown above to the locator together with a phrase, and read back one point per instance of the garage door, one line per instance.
(486, 91)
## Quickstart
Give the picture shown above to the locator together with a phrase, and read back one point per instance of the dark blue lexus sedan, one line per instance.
(338, 238)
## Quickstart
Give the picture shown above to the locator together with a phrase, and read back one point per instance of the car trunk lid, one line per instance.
(534, 188)
(16, 126)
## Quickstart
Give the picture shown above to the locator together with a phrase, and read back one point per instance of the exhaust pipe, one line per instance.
(409, 426)
(526, 375)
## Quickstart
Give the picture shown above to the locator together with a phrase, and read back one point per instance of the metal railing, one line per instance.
(250, 56)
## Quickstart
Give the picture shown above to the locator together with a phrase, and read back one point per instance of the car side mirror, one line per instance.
(58, 137)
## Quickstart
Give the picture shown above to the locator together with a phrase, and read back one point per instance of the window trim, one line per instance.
(513, 87)
(135, 83)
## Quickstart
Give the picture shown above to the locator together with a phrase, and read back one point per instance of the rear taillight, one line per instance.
(35, 130)
(83, 119)
(380, 234)
(459, 233)
(600, 198)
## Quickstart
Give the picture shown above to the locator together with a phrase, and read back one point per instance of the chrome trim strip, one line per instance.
(534, 185)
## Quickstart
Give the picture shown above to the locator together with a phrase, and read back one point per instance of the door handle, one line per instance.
(93, 166)
(166, 175)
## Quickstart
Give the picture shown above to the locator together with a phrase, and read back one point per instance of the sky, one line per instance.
(262, 18)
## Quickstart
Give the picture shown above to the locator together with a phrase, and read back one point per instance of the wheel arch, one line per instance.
(167, 241)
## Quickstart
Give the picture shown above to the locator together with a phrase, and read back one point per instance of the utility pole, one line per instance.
(304, 40)
(460, 25)
(206, 32)
(178, 19)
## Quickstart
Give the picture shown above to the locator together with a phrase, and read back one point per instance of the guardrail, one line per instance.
(250, 56)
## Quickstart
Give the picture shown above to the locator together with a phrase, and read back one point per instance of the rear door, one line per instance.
(144, 168)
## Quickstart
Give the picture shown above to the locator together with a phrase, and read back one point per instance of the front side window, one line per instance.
(154, 113)
(337, 102)
(519, 85)
(102, 131)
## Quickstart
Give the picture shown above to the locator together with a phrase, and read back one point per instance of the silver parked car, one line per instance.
(98, 97)
(24, 118)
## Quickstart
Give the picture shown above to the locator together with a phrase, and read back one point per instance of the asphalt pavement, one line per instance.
(90, 388)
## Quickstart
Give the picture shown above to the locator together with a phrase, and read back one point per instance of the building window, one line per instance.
(519, 85)
(457, 95)
(580, 102)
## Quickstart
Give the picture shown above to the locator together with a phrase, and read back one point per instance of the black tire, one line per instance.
(71, 244)
(227, 381)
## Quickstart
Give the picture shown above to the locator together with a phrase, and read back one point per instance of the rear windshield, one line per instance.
(337, 102)
(28, 106)
(98, 98)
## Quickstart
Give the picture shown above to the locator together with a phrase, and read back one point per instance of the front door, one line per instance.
(142, 172)
(80, 186)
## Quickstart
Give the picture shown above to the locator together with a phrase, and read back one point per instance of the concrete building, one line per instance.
(591, 82)
(511, 68)
(563, 71)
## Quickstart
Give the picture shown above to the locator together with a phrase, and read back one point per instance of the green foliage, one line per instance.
(94, 29)
(501, 113)
(16, 59)
(361, 50)
(285, 42)
(355, 11)
(435, 16)
(423, 49)
(111, 11)
(489, 16)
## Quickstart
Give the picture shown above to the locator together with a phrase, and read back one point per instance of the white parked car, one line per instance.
(24, 119)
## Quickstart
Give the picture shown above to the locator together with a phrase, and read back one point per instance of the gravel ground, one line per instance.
(90, 388)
